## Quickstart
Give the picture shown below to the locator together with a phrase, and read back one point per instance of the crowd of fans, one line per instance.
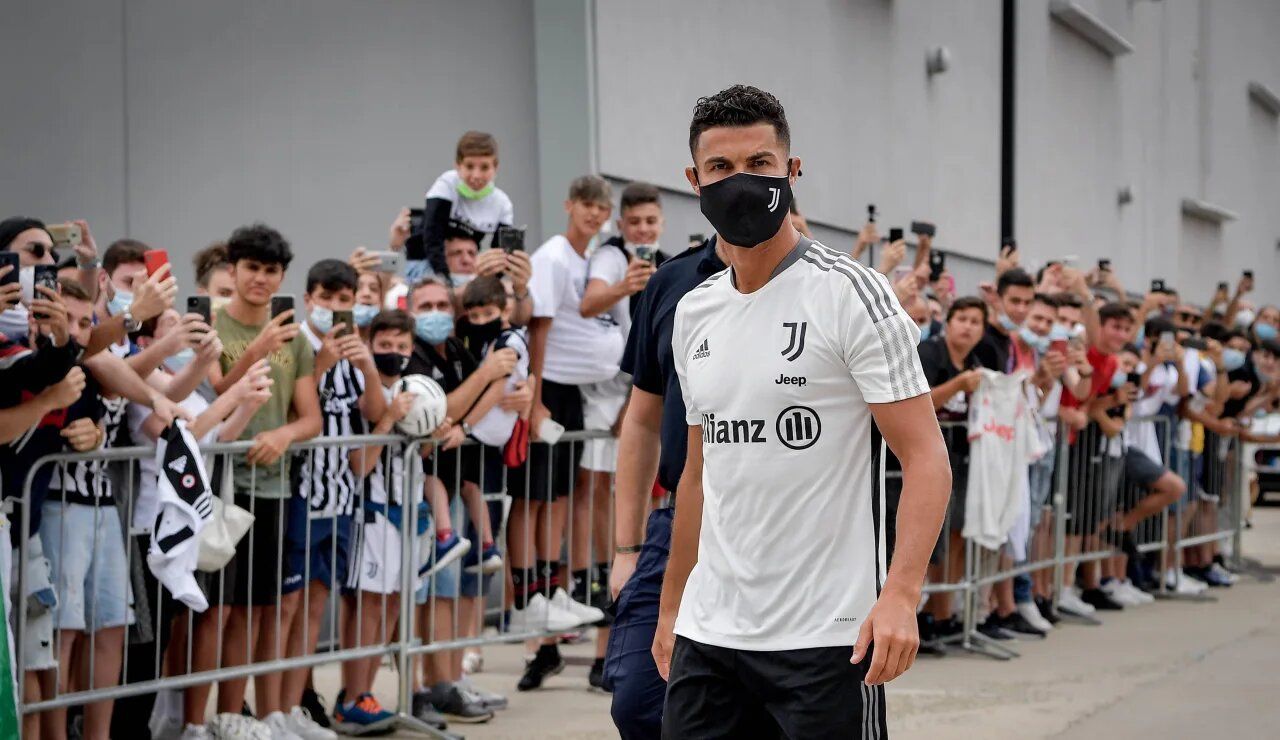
(524, 345)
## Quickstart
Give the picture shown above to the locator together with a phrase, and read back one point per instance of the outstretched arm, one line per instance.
(684, 552)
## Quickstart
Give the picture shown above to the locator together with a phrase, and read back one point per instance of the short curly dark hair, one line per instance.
(740, 105)
(261, 243)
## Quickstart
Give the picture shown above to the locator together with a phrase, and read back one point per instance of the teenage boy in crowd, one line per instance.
(616, 272)
(259, 256)
(213, 274)
(318, 529)
(567, 351)
(465, 193)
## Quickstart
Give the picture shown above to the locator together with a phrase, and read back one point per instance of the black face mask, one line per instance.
(390, 363)
(747, 209)
(478, 336)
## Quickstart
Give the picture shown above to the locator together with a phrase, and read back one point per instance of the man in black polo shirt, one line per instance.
(654, 421)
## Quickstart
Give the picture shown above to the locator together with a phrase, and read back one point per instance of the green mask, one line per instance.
(466, 192)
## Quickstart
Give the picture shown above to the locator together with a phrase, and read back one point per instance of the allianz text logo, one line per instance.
(796, 427)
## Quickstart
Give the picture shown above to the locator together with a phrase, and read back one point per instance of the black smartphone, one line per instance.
(1135, 379)
(415, 220)
(202, 305)
(696, 239)
(647, 252)
(923, 227)
(509, 238)
(1195, 343)
(1157, 286)
(895, 233)
(871, 212)
(1248, 274)
(1007, 244)
(937, 263)
(280, 304)
(10, 259)
(1104, 265)
(346, 319)
(46, 275)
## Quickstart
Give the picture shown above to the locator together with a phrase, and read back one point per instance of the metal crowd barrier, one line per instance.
(167, 646)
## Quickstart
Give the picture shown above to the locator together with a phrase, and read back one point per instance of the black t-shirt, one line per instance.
(1235, 406)
(935, 360)
(995, 349)
(450, 370)
(648, 357)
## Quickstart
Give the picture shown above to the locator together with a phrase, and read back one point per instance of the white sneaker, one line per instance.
(281, 727)
(303, 726)
(1033, 616)
(1223, 573)
(236, 726)
(1115, 590)
(166, 715)
(1184, 584)
(196, 732)
(472, 661)
(1069, 602)
(540, 615)
(1140, 596)
(585, 614)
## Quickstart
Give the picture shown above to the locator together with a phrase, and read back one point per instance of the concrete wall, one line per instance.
(175, 122)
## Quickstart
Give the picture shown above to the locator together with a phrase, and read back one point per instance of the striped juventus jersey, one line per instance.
(325, 478)
(385, 484)
(791, 549)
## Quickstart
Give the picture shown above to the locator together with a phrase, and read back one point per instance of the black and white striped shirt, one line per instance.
(325, 478)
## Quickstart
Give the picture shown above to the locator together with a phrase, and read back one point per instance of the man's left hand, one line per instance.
(891, 626)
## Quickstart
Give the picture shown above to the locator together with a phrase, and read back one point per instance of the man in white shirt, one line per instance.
(788, 362)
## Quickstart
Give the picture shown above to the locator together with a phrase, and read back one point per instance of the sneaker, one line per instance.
(540, 615)
(1137, 594)
(365, 717)
(948, 627)
(1204, 495)
(1070, 603)
(1184, 585)
(459, 706)
(314, 704)
(447, 552)
(490, 561)
(993, 627)
(1017, 624)
(238, 726)
(300, 723)
(547, 662)
(489, 699)
(1098, 599)
(166, 715)
(1223, 575)
(595, 677)
(195, 732)
(1046, 609)
(1030, 614)
(281, 727)
(1115, 591)
(585, 614)
(472, 661)
(425, 712)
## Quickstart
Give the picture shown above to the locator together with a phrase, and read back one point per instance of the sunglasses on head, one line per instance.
(1188, 316)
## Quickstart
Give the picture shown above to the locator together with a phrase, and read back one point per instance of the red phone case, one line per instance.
(155, 259)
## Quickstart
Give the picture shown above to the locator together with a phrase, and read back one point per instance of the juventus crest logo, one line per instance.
(795, 345)
(773, 203)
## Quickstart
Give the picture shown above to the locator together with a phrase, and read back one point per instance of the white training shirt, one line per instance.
(791, 553)
(484, 214)
(578, 350)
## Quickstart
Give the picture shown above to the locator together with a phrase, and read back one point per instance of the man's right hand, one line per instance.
(55, 324)
(399, 407)
(624, 565)
(1054, 364)
(638, 273)
(191, 332)
(65, 392)
(275, 335)
(254, 387)
(664, 644)
(153, 295)
(11, 293)
(970, 380)
(499, 363)
(399, 232)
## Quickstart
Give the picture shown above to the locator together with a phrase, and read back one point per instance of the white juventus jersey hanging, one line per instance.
(791, 549)
(185, 503)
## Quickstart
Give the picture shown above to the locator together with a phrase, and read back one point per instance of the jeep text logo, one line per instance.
(798, 427)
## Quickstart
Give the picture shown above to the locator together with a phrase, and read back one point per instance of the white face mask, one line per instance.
(14, 323)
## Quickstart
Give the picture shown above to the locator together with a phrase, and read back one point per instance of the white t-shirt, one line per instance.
(1161, 390)
(578, 350)
(484, 214)
(1001, 431)
(495, 427)
(791, 553)
(609, 263)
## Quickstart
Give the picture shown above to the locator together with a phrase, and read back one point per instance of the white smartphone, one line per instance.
(550, 431)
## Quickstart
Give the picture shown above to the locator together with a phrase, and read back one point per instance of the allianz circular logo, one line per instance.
(798, 427)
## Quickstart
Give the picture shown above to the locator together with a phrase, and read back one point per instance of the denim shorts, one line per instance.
(85, 548)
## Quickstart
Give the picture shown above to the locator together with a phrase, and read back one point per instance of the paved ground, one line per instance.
(1170, 670)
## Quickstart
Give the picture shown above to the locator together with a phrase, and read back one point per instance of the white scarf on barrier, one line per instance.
(1003, 441)
(184, 505)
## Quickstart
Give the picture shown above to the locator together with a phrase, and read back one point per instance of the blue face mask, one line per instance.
(1232, 359)
(1006, 323)
(1118, 379)
(1034, 341)
(1265, 332)
(175, 363)
(433, 327)
(120, 302)
(924, 332)
(321, 319)
(363, 314)
(1060, 333)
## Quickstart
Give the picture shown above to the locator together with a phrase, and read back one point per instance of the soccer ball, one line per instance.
(428, 409)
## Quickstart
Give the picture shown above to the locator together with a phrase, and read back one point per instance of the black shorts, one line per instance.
(255, 574)
(718, 692)
(553, 469)
(455, 467)
(1093, 483)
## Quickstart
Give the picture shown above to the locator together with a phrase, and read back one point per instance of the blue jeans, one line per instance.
(638, 690)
